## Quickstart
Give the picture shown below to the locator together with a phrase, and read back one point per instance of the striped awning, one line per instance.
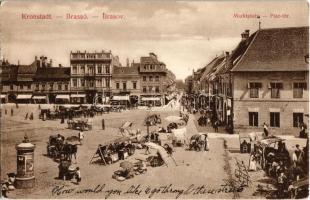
(150, 99)
(63, 96)
(39, 97)
(24, 96)
(120, 98)
(78, 95)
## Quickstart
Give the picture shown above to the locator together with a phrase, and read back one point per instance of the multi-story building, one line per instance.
(270, 81)
(126, 84)
(91, 75)
(51, 85)
(153, 74)
(38, 82)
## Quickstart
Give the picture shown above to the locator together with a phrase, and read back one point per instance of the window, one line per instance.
(43, 86)
(144, 78)
(254, 89)
(21, 87)
(150, 88)
(151, 78)
(298, 89)
(74, 82)
(274, 119)
(144, 89)
(91, 83)
(253, 118)
(82, 83)
(74, 69)
(157, 78)
(82, 69)
(275, 90)
(124, 86)
(66, 87)
(134, 85)
(107, 82)
(51, 86)
(107, 69)
(37, 86)
(117, 85)
(11, 87)
(99, 82)
(29, 87)
(99, 69)
(157, 89)
(59, 86)
(298, 119)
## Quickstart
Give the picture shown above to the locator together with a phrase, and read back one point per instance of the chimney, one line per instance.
(127, 62)
(41, 61)
(245, 35)
(51, 62)
(60, 65)
(36, 58)
(18, 62)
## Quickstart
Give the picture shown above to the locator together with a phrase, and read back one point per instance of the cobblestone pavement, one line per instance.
(204, 170)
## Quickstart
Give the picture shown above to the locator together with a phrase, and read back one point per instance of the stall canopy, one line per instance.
(78, 95)
(63, 96)
(24, 96)
(150, 99)
(39, 97)
(120, 98)
(2, 96)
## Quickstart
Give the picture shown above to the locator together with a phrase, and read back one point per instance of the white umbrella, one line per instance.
(173, 118)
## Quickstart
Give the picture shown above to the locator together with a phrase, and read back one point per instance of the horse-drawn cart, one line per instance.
(80, 124)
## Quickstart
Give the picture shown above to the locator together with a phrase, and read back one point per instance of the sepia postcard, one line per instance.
(137, 99)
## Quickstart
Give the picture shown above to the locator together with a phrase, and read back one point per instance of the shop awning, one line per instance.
(39, 97)
(63, 96)
(24, 96)
(150, 99)
(78, 95)
(2, 96)
(119, 98)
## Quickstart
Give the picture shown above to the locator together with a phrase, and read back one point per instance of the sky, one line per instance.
(185, 35)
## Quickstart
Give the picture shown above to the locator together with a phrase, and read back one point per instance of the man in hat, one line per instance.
(78, 175)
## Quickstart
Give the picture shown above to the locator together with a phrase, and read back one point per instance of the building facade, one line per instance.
(270, 81)
(152, 77)
(91, 74)
(126, 84)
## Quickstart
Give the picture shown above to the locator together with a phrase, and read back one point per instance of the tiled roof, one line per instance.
(53, 73)
(8, 73)
(276, 49)
(212, 67)
(126, 70)
(28, 69)
(148, 59)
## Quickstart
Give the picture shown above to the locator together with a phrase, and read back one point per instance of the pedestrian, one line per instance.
(31, 116)
(216, 123)
(302, 133)
(81, 136)
(265, 129)
(62, 118)
(147, 150)
(78, 175)
(26, 117)
(12, 112)
(103, 125)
